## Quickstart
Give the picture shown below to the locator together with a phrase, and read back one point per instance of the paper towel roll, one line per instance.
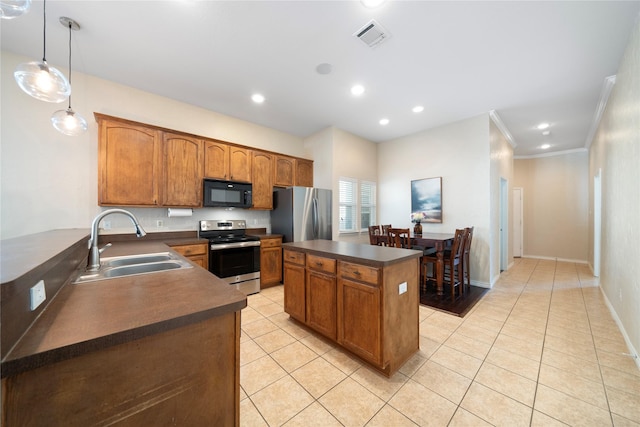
(180, 212)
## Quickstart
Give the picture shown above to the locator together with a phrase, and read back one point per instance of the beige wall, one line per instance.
(459, 153)
(49, 180)
(615, 151)
(555, 205)
(501, 164)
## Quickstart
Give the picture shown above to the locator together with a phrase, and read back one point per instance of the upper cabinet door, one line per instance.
(262, 172)
(183, 170)
(284, 171)
(216, 160)
(129, 168)
(304, 173)
(240, 164)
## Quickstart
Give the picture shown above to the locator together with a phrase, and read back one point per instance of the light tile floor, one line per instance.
(540, 349)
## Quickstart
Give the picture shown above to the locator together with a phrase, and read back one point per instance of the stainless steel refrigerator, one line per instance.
(301, 213)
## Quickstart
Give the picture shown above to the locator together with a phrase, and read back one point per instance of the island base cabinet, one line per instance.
(321, 303)
(294, 288)
(184, 376)
(359, 319)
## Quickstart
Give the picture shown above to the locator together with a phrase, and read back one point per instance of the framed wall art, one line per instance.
(426, 200)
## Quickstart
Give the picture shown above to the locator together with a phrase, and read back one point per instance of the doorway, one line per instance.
(504, 224)
(517, 222)
(597, 221)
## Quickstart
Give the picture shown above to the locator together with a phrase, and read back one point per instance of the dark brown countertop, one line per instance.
(95, 315)
(375, 256)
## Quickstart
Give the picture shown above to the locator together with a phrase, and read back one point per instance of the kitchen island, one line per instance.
(363, 297)
(152, 349)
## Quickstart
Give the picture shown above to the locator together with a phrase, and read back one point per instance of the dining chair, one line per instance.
(466, 266)
(374, 230)
(452, 264)
(399, 237)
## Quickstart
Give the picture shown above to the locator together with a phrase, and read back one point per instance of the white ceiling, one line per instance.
(528, 61)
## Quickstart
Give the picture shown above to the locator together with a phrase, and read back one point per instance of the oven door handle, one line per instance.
(235, 245)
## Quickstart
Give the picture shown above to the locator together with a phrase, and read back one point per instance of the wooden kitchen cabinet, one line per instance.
(182, 164)
(294, 284)
(129, 163)
(359, 296)
(285, 169)
(240, 164)
(198, 253)
(304, 173)
(216, 160)
(321, 295)
(270, 261)
(359, 311)
(262, 174)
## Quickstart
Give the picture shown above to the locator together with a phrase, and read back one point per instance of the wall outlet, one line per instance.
(159, 223)
(106, 225)
(402, 288)
(37, 294)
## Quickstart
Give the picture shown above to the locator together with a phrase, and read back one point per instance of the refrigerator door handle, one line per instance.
(316, 220)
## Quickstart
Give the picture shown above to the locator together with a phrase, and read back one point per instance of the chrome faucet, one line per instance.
(93, 262)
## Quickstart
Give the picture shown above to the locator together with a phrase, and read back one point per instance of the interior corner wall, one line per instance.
(501, 155)
(353, 157)
(49, 180)
(615, 151)
(459, 153)
(555, 206)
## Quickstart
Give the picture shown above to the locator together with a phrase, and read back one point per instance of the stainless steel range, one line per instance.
(233, 256)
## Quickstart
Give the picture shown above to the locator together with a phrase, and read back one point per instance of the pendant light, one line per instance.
(10, 9)
(40, 80)
(68, 121)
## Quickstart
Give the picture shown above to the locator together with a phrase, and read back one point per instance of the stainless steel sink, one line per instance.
(132, 265)
(135, 259)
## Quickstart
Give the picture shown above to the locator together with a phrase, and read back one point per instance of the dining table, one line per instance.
(439, 241)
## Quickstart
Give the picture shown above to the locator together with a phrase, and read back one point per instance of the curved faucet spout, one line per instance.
(93, 262)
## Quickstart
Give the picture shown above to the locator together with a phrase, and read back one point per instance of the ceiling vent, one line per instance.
(372, 34)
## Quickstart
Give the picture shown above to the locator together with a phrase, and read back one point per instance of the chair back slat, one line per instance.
(399, 238)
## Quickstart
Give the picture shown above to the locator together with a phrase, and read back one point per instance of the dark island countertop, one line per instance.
(374, 256)
(95, 315)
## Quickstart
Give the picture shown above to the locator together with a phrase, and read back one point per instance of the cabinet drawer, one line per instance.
(326, 265)
(188, 250)
(294, 257)
(271, 242)
(358, 272)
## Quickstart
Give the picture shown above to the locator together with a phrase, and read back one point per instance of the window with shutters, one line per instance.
(357, 205)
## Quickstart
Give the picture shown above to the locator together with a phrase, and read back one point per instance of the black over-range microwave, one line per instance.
(226, 194)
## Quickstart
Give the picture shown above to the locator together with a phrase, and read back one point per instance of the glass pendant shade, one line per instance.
(10, 9)
(42, 81)
(69, 122)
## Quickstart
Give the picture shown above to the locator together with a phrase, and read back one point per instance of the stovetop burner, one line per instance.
(225, 231)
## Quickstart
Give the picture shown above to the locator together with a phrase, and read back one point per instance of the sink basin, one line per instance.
(129, 270)
(132, 265)
(135, 259)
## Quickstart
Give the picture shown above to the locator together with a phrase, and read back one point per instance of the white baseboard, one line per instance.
(633, 353)
(577, 261)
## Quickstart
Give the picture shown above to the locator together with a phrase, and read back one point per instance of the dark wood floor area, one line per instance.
(459, 307)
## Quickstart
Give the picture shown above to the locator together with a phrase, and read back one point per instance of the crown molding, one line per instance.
(498, 122)
(553, 153)
(607, 87)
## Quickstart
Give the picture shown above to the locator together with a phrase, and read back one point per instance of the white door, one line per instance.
(504, 224)
(597, 222)
(517, 222)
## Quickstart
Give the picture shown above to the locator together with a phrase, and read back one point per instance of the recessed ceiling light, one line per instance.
(257, 98)
(384, 122)
(546, 132)
(357, 90)
(543, 126)
(418, 109)
(545, 146)
(372, 3)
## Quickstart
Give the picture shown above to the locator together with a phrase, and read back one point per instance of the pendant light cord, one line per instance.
(44, 32)
(69, 61)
